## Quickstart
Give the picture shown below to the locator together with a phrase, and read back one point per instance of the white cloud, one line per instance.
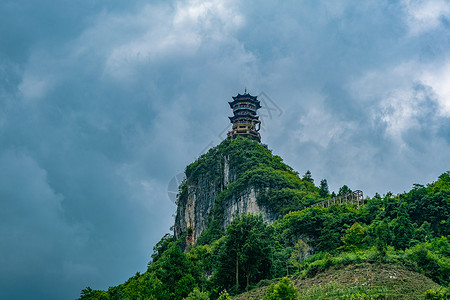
(400, 96)
(425, 15)
(438, 78)
(34, 87)
(319, 126)
(158, 33)
(212, 16)
(400, 111)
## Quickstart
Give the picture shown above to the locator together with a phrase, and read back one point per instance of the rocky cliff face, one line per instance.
(230, 180)
(196, 205)
(194, 208)
(246, 203)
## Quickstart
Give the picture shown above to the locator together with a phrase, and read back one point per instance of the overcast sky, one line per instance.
(103, 102)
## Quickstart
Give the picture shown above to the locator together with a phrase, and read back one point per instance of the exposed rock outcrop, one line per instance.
(194, 208)
(230, 180)
(246, 203)
(196, 205)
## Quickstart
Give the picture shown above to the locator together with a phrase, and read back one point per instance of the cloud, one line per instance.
(103, 103)
(97, 127)
(407, 96)
(157, 33)
(437, 77)
(33, 225)
(423, 16)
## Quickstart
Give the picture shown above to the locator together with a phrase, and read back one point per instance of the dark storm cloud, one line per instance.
(102, 103)
(347, 82)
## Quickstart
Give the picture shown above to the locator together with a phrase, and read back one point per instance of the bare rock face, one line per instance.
(193, 211)
(238, 176)
(246, 204)
(196, 206)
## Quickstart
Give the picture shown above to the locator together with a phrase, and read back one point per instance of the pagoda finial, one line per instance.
(245, 91)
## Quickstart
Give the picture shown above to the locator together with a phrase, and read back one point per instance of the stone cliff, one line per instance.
(231, 179)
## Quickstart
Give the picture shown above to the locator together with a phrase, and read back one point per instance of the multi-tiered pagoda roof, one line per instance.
(245, 119)
(245, 97)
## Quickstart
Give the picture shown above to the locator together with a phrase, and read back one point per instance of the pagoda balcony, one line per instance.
(245, 131)
(237, 106)
(244, 108)
(243, 113)
(243, 118)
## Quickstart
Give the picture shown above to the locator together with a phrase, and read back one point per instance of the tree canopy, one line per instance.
(411, 229)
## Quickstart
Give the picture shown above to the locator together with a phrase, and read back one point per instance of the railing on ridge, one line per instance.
(353, 197)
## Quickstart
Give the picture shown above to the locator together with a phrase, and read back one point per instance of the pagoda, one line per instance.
(245, 121)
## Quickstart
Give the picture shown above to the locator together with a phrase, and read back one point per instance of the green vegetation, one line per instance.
(253, 165)
(440, 293)
(197, 295)
(359, 281)
(246, 247)
(284, 290)
(406, 234)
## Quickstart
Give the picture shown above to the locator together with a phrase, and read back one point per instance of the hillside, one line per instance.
(371, 280)
(244, 219)
(237, 177)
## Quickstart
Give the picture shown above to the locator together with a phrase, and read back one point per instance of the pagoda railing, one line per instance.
(355, 197)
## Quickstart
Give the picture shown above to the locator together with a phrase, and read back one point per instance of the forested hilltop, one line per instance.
(399, 244)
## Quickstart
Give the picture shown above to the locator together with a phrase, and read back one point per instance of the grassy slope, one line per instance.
(385, 281)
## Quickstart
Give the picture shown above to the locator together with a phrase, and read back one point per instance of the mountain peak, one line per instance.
(239, 176)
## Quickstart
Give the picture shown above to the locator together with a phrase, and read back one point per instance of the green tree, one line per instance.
(381, 240)
(329, 239)
(202, 258)
(197, 295)
(184, 286)
(175, 272)
(161, 246)
(431, 206)
(432, 264)
(323, 189)
(91, 294)
(308, 177)
(280, 260)
(354, 237)
(344, 190)
(284, 290)
(402, 228)
(244, 256)
(299, 253)
(423, 233)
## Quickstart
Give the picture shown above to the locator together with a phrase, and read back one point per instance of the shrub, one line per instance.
(197, 295)
(224, 295)
(284, 290)
(442, 293)
(431, 264)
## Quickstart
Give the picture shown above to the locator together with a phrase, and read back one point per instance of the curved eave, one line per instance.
(245, 96)
(244, 117)
(245, 108)
(255, 102)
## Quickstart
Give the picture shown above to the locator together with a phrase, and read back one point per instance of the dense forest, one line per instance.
(410, 230)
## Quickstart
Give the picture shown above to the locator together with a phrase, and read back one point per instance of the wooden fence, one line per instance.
(355, 197)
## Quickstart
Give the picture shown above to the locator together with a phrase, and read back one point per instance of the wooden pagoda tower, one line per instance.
(245, 120)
